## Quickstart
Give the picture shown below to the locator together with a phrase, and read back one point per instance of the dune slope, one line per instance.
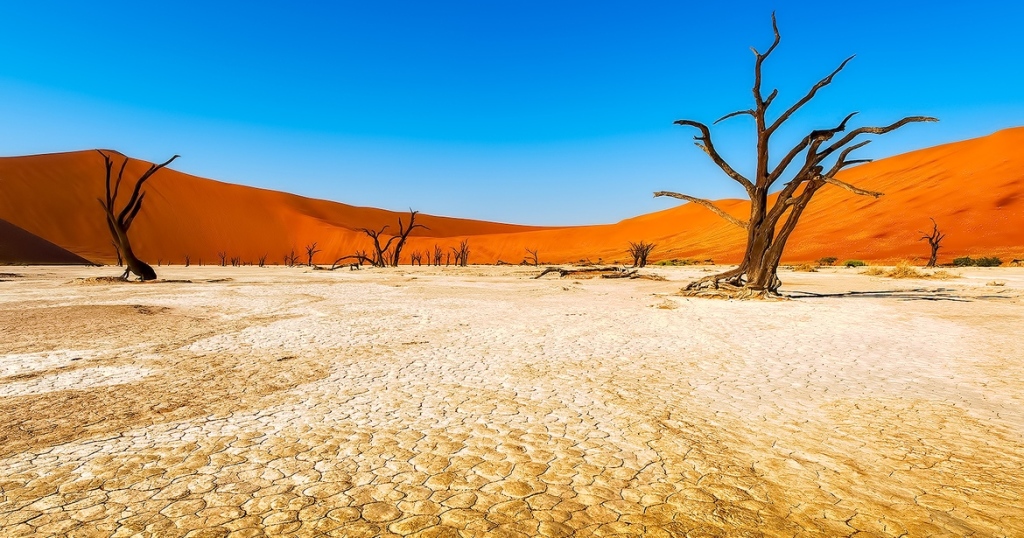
(973, 188)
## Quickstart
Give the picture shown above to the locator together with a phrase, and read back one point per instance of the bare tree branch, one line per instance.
(704, 143)
(810, 95)
(705, 203)
(875, 130)
(733, 114)
(851, 188)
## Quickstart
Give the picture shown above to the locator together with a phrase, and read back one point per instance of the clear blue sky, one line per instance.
(531, 112)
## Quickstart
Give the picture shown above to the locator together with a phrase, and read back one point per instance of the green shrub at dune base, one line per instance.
(854, 263)
(967, 261)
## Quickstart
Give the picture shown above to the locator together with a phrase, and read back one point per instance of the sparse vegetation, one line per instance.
(805, 268)
(906, 270)
(827, 261)
(967, 261)
(854, 263)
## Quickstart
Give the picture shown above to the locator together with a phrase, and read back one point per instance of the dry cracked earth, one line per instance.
(481, 402)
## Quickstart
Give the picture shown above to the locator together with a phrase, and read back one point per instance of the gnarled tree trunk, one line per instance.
(772, 222)
(120, 221)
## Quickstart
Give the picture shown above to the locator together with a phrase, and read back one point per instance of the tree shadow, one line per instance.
(917, 294)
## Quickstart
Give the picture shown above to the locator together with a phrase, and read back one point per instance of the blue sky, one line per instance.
(528, 112)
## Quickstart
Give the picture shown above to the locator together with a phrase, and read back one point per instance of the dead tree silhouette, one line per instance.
(416, 258)
(461, 253)
(380, 257)
(934, 241)
(403, 234)
(263, 260)
(769, 227)
(223, 257)
(639, 251)
(533, 258)
(438, 253)
(311, 250)
(118, 222)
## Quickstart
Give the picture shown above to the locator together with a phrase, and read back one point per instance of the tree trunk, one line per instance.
(141, 269)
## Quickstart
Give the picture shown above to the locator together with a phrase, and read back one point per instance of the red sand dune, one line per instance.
(974, 189)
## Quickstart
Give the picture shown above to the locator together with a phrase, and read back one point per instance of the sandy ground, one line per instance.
(478, 401)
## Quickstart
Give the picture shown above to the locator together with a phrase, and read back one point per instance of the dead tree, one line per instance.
(188, 260)
(120, 261)
(639, 251)
(934, 239)
(311, 250)
(223, 256)
(462, 253)
(118, 222)
(263, 260)
(769, 226)
(438, 253)
(236, 261)
(291, 258)
(416, 258)
(533, 257)
(381, 254)
(403, 234)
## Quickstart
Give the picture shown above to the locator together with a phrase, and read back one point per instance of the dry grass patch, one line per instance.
(905, 270)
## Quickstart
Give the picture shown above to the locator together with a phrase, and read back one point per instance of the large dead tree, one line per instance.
(403, 234)
(934, 241)
(118, 222)
(815, 160)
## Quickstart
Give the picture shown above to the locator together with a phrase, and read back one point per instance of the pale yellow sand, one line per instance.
(478, 401)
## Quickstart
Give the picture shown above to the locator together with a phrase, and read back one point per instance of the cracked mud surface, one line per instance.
(430, 402)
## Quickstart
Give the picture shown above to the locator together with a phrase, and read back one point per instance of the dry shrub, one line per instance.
(905, 270)
(995, 283)
(805, 268)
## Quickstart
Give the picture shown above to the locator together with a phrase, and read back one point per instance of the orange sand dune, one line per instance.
(974, 189)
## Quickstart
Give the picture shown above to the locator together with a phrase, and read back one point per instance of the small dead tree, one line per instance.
(118, 222)
(533, 258)
(934, 241)
(639, 251)
(311, 250)
(223, 257)
(236, 261)
(403, 234)
(462, 253)
(816, 158)
(291, 259)
(438, 253)
(120, 261)
(416, 258)
(188, 260)
(262, 260)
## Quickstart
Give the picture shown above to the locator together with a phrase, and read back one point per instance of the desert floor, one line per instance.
(478, 401)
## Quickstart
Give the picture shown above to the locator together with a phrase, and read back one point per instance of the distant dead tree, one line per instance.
(462, 253)
(263, 260)
(236, 261)
(438, 253)
(533, 258)
(416, 258)
(120, 261)
(639, 251)
(223, 257)
(188, 260)
(403, 234)
(311, 250)
(769, 227)
(291, 258)
(934, 239)
(118, 222)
